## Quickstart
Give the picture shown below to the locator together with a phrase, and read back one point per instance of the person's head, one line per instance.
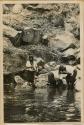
(69, 74)
(31, 58)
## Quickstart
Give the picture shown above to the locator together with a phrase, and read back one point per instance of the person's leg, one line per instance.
(33, 80)
(68, 84)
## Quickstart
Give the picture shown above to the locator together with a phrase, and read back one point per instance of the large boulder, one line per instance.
(14, 60)
(62, 40)
(69, 56)
(73, 25)
(12, 34)
(57, 20)
(15, 20)
(31, 35)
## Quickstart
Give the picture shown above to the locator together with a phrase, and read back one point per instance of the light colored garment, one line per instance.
(30, 66)
(70, 69)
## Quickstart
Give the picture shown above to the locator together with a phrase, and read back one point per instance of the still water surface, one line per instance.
(43, 105)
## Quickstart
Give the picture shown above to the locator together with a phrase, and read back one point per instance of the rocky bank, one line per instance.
(50, 32)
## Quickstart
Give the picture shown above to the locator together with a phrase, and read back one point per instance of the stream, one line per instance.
(42, 105)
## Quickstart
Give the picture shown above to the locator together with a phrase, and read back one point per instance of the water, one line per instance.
(43, 105)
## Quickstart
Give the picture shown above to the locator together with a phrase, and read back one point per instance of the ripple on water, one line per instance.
(44, 104)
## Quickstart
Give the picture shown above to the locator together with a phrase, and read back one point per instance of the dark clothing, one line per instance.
(30, 76)
(62, 69)
(51, 79)
(70, 79)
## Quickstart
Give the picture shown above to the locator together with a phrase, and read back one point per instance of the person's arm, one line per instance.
(36, 67)
(27, 64)
(29, 67)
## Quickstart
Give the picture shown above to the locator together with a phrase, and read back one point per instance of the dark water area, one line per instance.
(42, 105)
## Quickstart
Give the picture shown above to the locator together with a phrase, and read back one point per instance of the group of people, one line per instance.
(70, 76)
(63, 73)
(33, 70)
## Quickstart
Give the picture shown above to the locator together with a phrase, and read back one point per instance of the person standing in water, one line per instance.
(31, 70)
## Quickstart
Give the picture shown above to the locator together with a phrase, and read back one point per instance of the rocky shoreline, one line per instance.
(51, 32)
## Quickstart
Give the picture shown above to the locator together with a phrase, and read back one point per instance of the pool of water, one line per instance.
(42, 105)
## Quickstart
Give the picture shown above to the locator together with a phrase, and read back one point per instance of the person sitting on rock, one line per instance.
(31, 69)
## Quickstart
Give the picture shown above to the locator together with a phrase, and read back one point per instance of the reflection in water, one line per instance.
(42, 105)
(70, 97)
(54, 92)
(51, 94)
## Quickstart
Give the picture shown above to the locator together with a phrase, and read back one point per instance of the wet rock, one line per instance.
(25, 85)
(18, 79)
(22, 84)
(42, 80)
(71, 110)
(9, 82)
(69, 115)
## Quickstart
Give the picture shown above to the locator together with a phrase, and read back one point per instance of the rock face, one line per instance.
(27, 36)
(12, 34)
(6, 9)
(57, 20)
(14, 60)
(48, 31)
(62, 40)
(17, 8)
(31, 35)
